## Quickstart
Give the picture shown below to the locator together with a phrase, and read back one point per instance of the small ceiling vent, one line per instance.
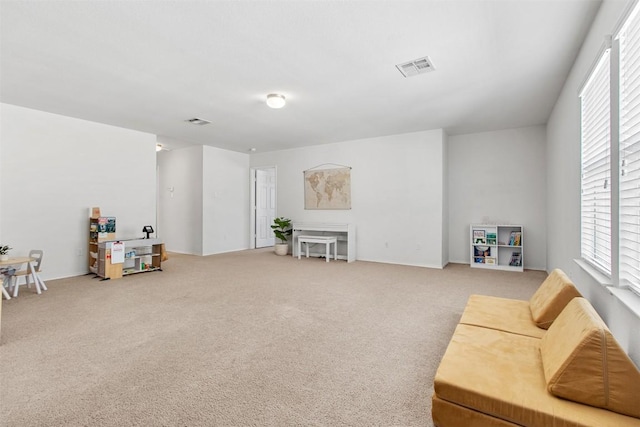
(415, 67)
(197, 121)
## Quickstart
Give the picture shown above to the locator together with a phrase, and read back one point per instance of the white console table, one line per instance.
(345, 234)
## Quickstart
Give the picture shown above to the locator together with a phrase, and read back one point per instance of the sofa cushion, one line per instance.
(446, 414)
(503, 314)
(551, 297)
(500, 374)
(584, 363)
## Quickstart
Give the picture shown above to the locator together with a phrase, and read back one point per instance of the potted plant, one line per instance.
(282, 229)
(4, 252)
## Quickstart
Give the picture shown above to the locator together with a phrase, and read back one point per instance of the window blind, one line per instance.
(596, 167)
(629, 38)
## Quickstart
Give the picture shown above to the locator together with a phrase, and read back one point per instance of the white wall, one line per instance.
(498, 178)
(209, 210)
(563, 186)
(53, 169)
(180, 210)
(396, 190)
(226, 181)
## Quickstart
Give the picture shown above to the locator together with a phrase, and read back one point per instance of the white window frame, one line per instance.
(628, 81)
(622, 155)
(596, 195)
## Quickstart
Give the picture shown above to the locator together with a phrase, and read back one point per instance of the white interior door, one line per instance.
(265, 206)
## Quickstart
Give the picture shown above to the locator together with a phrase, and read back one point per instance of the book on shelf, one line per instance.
(515, 238)
(489, 260)
(516, 259)
(481, 251)
(478, 233)
(478, 260)
(107, 224)
(491, 238)
(479, 237)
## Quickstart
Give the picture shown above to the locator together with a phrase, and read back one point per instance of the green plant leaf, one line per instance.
(281, 228)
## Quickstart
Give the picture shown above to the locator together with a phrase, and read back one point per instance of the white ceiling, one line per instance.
(150, 65)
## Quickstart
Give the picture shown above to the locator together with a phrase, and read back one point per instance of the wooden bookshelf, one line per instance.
(140, 256)
(101, 229)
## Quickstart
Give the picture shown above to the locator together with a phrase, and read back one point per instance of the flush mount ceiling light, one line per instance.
(275, 100)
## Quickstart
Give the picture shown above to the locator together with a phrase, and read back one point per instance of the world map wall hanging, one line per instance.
(327, 188)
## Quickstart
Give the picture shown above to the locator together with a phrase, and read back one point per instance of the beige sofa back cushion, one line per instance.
(583, 362)
(551, 297)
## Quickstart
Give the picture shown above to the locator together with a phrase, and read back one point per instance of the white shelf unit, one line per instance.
(497, 247)
(140, 256)
(140, 259)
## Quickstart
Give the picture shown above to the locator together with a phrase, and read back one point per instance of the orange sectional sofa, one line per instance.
(503, 367)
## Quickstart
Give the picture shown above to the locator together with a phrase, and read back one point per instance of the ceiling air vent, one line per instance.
(197, 121)
(415, 67)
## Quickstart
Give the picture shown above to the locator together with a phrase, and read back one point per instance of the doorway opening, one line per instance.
(263, 209)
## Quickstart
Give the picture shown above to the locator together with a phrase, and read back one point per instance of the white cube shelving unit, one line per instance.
(497, 247)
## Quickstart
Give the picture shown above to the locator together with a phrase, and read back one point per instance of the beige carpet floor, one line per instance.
(239, 339)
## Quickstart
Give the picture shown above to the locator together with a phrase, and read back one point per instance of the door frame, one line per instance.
(252, 214)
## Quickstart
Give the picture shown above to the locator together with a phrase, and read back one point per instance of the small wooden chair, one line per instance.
(7, 274)
(26, 273)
